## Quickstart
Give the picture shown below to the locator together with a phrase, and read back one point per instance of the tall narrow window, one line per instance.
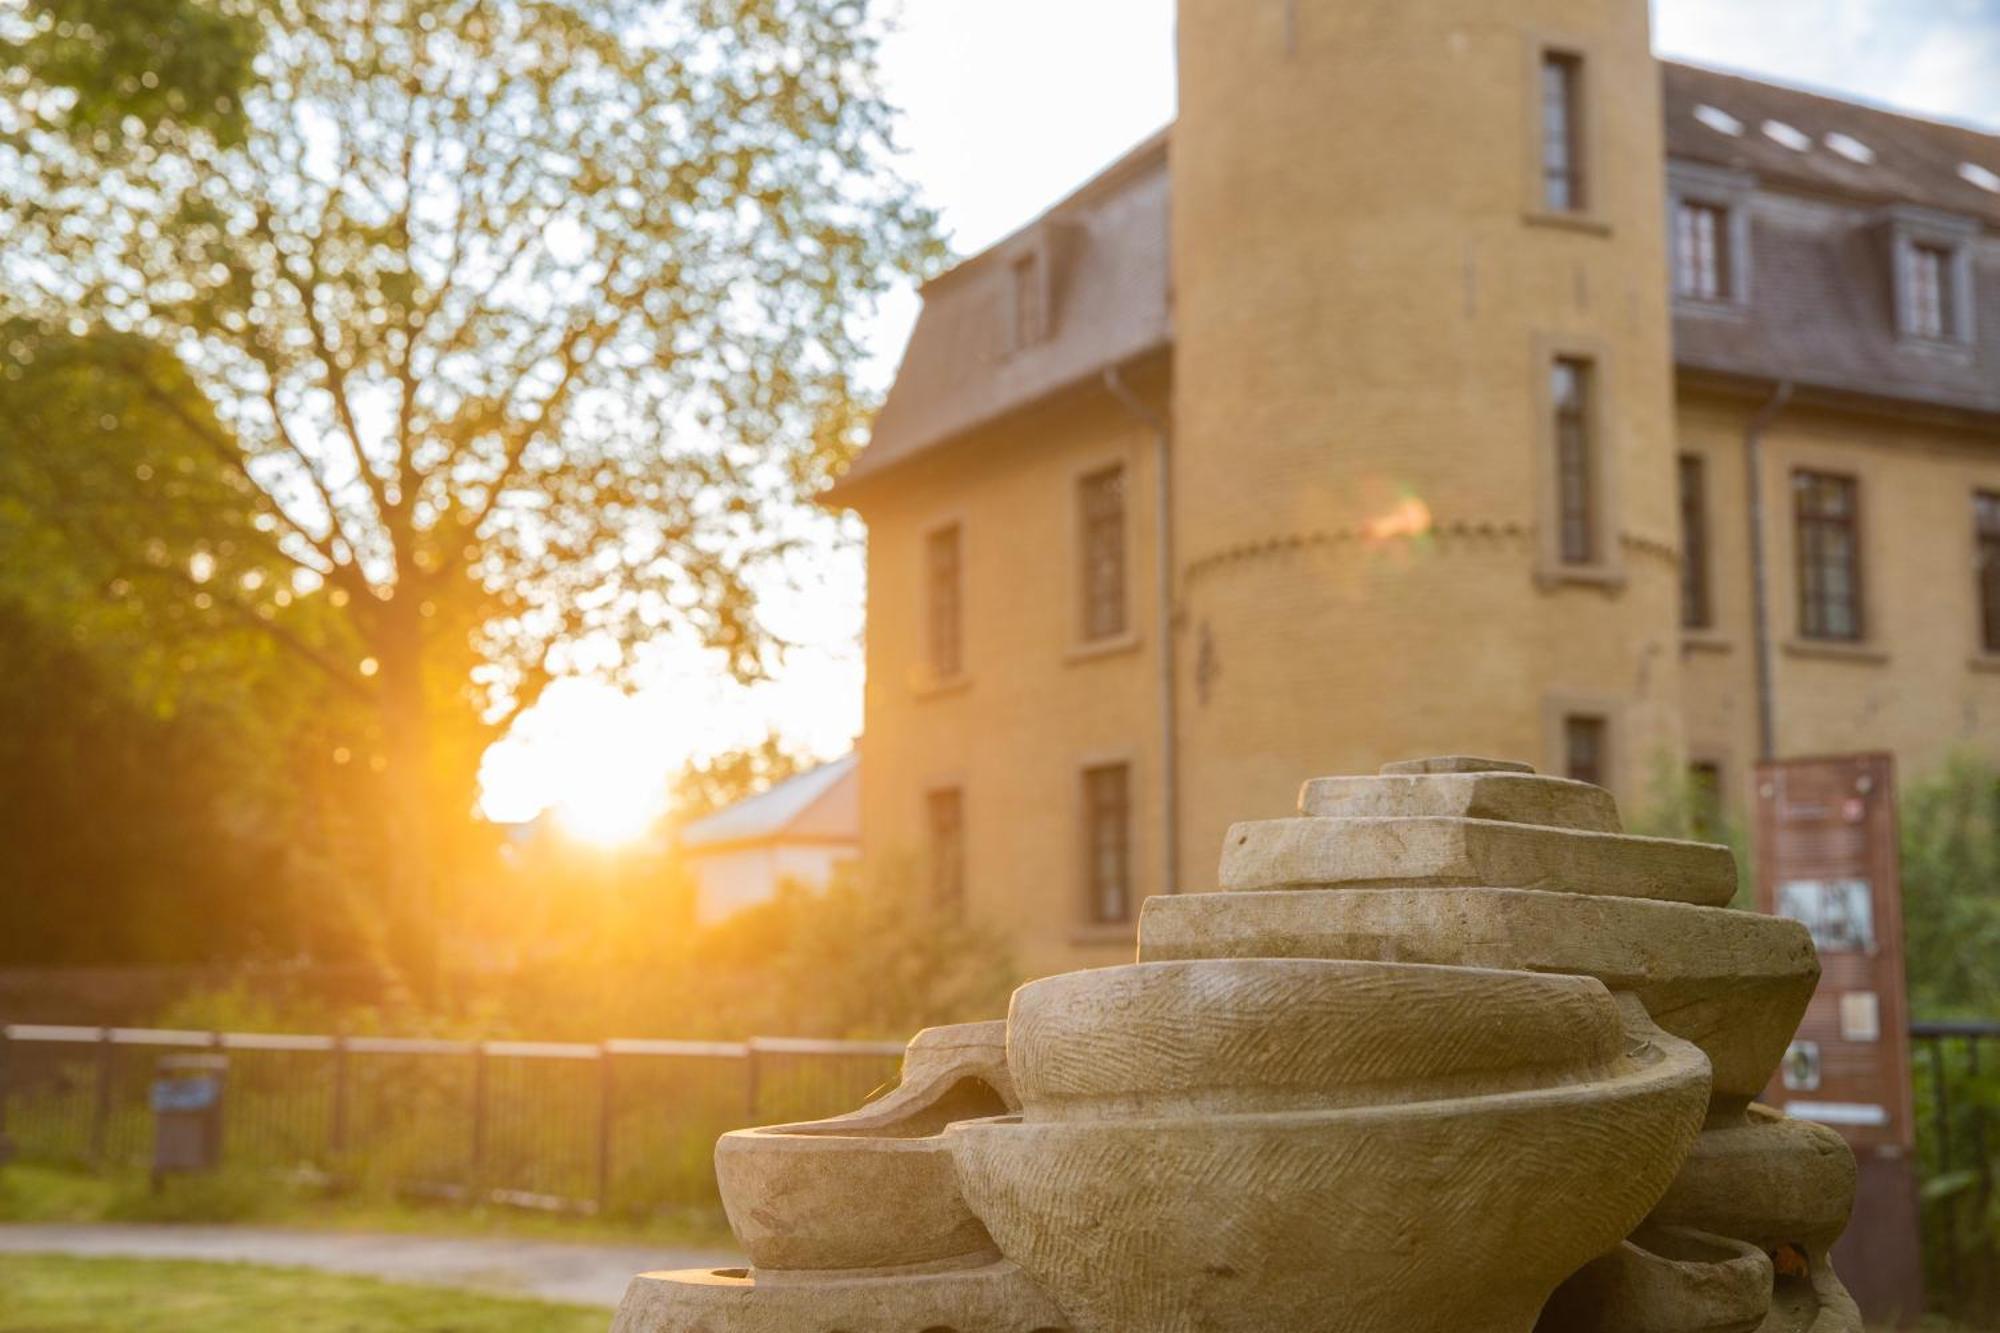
(1030, 310)
(1563, 183)
(1986, 527)
(1585, 750)
(944, 602)
(944, 812)
(1701, 251)
(1101, 500)
(1696, 612)
(1107, 814)
(1576, 471)
(1826, 509)
(1927, 291)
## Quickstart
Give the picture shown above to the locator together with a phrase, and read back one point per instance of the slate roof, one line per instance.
(1821, 301)
(819, 805)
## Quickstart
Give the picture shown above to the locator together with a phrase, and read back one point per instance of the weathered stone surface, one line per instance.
(960, 1050)
(1269, 1034)
(1471, 853)
(1459, 1214)
(874, 1188)
(1420, 1070)
(1456, 763)
(1666, 1281)
(993, 1298)
(1770, 1180)
(1733, 983)
(1513, 798)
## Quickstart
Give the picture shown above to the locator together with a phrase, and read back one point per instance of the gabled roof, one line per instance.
(1820, 306)
(820, 805)
(1106, 246)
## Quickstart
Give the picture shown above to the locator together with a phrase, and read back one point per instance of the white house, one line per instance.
(799, 830)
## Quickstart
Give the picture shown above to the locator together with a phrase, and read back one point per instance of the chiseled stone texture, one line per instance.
(1257, 1035)
(995, 1298)
(1733, 983)
(1390, 852)
(1511, 797)
(1425, 1206)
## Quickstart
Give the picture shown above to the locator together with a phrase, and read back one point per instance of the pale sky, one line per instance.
(1006, 107)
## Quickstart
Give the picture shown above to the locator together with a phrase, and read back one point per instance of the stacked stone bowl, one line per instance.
(1257, 1144)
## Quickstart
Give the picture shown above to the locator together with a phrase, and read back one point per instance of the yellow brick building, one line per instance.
(1451, 376)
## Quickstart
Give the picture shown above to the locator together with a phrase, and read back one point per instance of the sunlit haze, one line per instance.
(1006, 107)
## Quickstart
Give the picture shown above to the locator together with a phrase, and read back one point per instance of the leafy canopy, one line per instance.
(516, 316)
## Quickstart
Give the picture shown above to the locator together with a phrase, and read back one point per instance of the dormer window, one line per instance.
(1030, 291)
(1709, 223)
(1927, 290)
(1701, 251)
(1931, 266)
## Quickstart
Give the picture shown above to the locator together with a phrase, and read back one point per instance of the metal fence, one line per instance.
(624, 1125)
(1958, 1092)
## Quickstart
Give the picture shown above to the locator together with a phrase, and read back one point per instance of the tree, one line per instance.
(1950, 832)
(160, 735)
(513, 317)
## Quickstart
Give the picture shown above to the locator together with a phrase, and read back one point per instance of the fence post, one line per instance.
(6, 1144)
(752, 1079)
(605, 1127)
(336, 1130)
(475, 1184)
(100, 1117)
(1941, 1108)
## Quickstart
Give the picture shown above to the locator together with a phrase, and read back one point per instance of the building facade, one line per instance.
(1637, 418)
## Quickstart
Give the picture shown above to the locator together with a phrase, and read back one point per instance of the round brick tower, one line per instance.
(1424, 478)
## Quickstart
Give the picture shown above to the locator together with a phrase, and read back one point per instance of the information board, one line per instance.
(1827, 856)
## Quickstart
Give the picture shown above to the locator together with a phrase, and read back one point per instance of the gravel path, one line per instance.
(586, 1274)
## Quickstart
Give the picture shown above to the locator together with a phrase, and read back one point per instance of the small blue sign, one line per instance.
(186, 1094)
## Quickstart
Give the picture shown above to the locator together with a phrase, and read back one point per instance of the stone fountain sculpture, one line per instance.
(1450, 1053)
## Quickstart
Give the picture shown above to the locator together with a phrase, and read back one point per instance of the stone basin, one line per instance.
(1733, 983)
(1666, 1280)
(1285, 1034)
(875, 1188)
(1141, 1194)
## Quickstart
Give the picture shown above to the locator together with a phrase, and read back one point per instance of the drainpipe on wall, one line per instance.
(1760, 595)
(1163, 563)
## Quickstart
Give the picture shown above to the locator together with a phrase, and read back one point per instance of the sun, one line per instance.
(589, 754)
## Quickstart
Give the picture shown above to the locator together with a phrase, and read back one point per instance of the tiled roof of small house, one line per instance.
(1820, 310)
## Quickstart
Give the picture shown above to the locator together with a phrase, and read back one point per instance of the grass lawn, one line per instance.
(30, 1193)
(58, 1295)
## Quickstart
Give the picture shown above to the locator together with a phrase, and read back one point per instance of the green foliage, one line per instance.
(873, 960)
(498, 339)
(162, 62)
(127, 1296)
(1950, 830)
(1680, 804)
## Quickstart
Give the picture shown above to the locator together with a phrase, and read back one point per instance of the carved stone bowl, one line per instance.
(1264, 1034)
(1436, 1184)
(1734, 983)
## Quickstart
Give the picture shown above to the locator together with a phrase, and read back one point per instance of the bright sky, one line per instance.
(1006, 107)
